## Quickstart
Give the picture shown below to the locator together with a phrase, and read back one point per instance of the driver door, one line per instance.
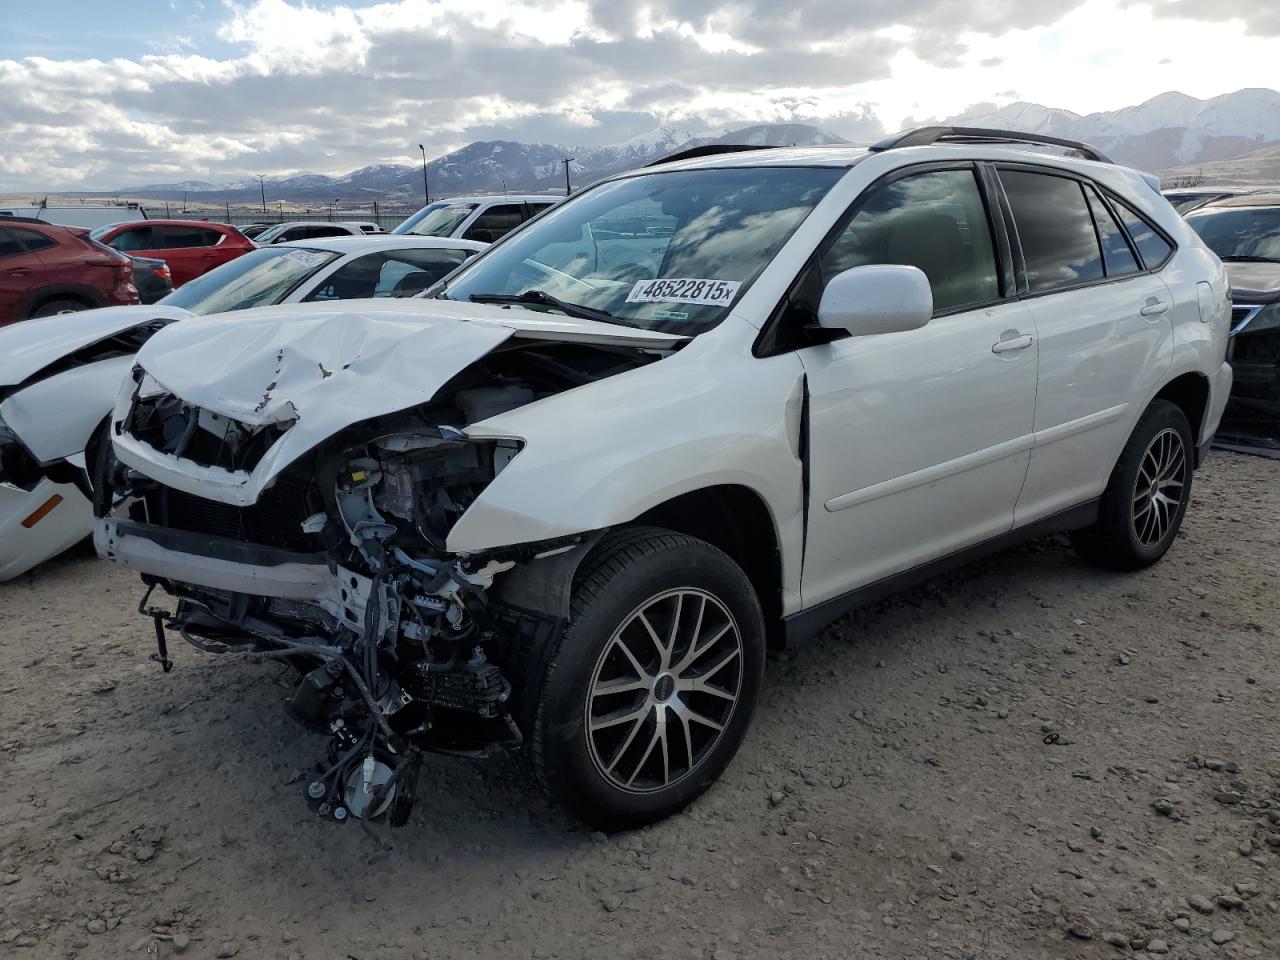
(919, 441)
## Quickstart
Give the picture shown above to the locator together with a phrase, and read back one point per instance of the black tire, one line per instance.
(663, 574)
(52, 308)
(1125, 534)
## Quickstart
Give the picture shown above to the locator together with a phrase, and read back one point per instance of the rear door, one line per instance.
(21, 272)
(1104, 329)
(495, 222)
(190, 250)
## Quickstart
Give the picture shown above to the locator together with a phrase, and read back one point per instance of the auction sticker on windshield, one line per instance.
(711, 293)
(308, 258)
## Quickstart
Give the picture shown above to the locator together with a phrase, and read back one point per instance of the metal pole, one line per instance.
(426, 194)
(262, 185)
(228, 203)
(567, 188)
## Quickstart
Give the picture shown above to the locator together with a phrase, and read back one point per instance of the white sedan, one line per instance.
(59, 375)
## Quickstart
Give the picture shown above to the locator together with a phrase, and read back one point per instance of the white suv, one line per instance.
(565, 504)
(486, 219)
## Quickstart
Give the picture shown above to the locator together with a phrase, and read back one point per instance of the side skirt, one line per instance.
(800, 626)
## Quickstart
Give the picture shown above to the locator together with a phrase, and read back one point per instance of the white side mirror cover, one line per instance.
(877, 298)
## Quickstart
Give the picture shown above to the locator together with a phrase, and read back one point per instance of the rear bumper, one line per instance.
(67, 518)
(1219, 390)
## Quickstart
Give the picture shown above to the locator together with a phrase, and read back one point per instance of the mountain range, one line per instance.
(1169, 131)
(483, 166)
(1234, 137)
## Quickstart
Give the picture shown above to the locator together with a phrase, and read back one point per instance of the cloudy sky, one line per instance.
(100, 95)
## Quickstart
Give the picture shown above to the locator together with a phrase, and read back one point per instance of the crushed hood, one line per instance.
(1254, 282)
(319, 369)
(29, 346)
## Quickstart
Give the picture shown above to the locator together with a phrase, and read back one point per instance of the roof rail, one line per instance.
(706, 150)
(6, 218)
(924, 136)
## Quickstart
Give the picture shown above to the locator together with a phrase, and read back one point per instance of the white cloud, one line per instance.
(336, 87)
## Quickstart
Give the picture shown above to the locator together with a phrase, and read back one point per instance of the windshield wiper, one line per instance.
(542, 298)
(1248, 259)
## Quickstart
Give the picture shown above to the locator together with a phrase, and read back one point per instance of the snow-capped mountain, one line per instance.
(1168, 130)
(493, 165)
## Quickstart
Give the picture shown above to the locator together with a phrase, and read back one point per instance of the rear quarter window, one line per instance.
(1153, 247)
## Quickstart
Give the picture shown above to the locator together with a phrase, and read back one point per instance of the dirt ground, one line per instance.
(1028, 759)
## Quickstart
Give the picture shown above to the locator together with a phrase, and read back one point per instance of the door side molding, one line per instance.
(926, 475)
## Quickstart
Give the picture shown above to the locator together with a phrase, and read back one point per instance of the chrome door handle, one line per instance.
(1154, 307)
(1017, 343)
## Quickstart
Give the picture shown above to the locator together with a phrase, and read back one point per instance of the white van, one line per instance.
(80, 214)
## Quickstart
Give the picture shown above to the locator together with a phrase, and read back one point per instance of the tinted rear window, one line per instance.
(31, 239)
(9, 247)
(1056, 231)
(173, 238)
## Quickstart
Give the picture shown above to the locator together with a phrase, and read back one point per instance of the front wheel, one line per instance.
(654, 682)
(1147, 495)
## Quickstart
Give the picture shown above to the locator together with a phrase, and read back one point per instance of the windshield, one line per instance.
(439, 219)
(662, 251)
(257, 279)
(1250, 233)
(270, 233)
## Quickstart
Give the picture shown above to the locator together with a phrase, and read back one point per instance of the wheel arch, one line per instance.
(732, 518)
(61, 291)
(1189, 392)
(736, 520)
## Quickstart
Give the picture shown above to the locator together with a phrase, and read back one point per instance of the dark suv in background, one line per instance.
(1245, 232)
(47, 269)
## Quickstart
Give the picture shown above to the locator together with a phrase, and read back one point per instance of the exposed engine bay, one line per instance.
(340, 569)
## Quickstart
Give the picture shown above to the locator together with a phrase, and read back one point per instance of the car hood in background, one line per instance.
(1254, 282)
(28, 347)
(319, 369)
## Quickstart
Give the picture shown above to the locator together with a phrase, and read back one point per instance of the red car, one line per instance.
(190, 247)
(47, 269)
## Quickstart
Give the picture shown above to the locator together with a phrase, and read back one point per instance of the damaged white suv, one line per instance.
(565, 503)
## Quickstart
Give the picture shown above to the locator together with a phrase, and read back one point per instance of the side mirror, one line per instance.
(877, 298)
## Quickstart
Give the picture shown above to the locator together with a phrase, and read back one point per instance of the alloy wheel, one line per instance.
(1160, 486)
(663, 690)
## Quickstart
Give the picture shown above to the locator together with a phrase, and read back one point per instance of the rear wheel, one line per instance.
(654, 682)
(52, 308)
(1147, 495)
